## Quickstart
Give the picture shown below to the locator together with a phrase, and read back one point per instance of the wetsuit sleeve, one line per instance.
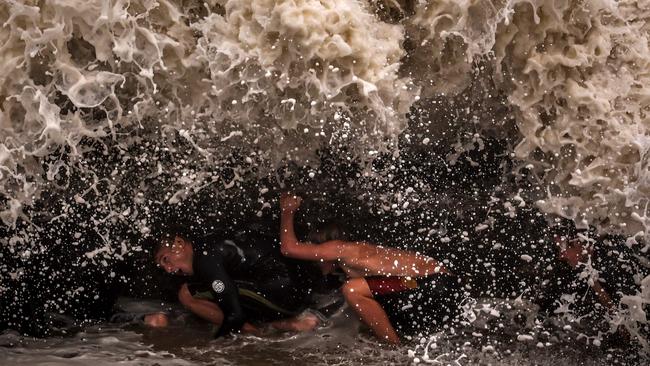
(212, 271)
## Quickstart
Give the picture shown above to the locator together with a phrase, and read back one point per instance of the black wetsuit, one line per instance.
(246, 275)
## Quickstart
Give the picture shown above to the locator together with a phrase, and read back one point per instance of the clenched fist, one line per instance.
(290, 202)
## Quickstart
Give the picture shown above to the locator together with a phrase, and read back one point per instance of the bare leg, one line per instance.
(357, 258)
(249, 328)
(358, 295)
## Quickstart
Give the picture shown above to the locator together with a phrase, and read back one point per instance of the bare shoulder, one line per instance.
(340, 247)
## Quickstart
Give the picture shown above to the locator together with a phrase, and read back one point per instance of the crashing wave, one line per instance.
(221, 74)
(113, 105)
(577, 75)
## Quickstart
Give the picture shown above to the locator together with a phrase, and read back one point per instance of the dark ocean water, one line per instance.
(502, 333)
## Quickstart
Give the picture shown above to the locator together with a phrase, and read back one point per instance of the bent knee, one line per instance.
(355, 288)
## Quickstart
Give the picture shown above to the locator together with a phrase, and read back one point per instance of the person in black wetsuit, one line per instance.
(232, 283)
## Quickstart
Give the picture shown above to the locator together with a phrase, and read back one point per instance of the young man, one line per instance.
(233, 282)
(384, 285)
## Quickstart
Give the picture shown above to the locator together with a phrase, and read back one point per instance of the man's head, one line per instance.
(323, 233)
(326, 232)
(173, 253)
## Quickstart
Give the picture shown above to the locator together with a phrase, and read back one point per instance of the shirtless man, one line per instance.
(377, 277)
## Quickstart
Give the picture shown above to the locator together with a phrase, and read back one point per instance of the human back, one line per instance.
(361, 259)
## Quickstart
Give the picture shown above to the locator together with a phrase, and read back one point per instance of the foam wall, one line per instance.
(577, 75)
(263, 75)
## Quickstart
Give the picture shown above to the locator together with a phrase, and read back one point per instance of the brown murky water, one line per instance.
(339, 343)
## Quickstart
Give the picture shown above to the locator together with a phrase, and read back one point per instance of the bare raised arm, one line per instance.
(365, 258)
(293, 248)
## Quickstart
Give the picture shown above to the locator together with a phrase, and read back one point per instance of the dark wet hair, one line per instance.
(164, 236)
(327, 232)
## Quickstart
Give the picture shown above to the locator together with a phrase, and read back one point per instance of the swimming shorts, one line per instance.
(418, 305)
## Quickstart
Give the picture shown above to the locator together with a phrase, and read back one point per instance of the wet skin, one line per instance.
(176, 258)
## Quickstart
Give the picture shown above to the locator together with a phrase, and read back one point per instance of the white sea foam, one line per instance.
(580, 88)
(277, 80)
(155, 65)
(574, 73)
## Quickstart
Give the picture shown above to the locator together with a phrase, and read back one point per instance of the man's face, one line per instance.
(176, 258)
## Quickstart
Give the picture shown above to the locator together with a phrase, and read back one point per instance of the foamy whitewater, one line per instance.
(114, 113)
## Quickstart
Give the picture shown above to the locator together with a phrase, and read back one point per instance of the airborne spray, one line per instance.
(460, 128)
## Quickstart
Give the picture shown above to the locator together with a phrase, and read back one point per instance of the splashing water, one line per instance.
(114, 113)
